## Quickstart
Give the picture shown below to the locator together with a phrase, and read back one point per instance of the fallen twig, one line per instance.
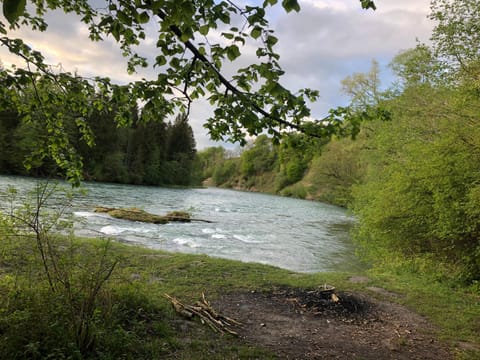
(206, 314)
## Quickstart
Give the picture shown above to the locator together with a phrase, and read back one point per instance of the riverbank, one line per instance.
(134, 319)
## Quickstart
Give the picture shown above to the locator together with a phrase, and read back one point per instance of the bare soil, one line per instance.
(304, 324)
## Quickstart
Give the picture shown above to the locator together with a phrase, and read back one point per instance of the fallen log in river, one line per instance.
(134, 214)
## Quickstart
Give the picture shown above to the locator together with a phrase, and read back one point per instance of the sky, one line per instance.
(324, 43)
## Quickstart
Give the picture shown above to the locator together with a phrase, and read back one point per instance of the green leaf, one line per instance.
(276, 89)
(124, 18)
(160, 60)
(271, 40)
(290, 5)
(224, 17)
(106, 20)
(239, 39)
(12, 9)
(368, 4)
(143, 17)
(233, 52)
(204, 29)
(269, 2)
(256, 32)
(260, 52)
(228, 36)
(115, 30)
(187, 34)
(175, 63)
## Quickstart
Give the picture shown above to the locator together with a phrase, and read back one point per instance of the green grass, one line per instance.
(187, 276)
(136, 321)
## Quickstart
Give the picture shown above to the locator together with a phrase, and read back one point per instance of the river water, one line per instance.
(294, 234)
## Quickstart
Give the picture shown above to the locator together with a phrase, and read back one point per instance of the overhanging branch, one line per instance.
(228, 85)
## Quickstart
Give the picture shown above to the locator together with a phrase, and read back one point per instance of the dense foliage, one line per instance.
(420, 194)
(152, 153)
(262, 165)
(191, 39)
(413, 180)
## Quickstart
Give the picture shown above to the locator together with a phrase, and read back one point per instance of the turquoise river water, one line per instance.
(294, 234)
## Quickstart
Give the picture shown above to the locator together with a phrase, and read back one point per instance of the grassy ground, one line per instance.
(133, 319)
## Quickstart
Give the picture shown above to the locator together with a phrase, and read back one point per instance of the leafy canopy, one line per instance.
(457, 32)
(189, 64)
(420, 193)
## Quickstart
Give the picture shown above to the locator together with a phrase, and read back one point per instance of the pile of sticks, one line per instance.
(207, 315)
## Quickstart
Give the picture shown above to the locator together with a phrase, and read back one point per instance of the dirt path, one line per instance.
(298, 324)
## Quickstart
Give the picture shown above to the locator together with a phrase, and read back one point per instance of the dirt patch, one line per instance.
(300, 324)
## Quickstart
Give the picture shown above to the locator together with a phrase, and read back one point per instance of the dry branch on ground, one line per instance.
(207, 315)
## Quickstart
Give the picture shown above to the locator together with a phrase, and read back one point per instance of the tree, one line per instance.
(105, 161)
(181, 150)
(8, 123)
(295, 153)
(457, 33)
(189, 68)
(47, 104)
(146, 152)
(259, 158)
(338, 167)
(180, 139)
(209, 159)
(417, 66)
(363, 88)
(420, 189)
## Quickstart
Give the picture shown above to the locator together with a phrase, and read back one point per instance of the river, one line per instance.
(298, 235)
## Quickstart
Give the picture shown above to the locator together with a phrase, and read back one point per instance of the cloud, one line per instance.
(66, 42)
(327, 41)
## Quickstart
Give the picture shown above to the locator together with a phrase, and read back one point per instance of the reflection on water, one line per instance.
(294, 234)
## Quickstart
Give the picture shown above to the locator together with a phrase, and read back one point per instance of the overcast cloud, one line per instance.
(324, 43)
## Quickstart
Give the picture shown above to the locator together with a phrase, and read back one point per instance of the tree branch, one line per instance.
(228, 85)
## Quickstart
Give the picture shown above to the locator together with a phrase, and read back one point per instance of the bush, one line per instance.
(225, 171)
(296, 190)
(421, 194)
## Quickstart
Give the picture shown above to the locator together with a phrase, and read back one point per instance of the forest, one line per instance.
(145, 153)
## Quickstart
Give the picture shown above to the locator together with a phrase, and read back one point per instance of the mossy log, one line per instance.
(134, 214)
